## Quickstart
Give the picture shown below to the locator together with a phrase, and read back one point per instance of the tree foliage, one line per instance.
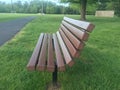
(116, 6)
(93, 5)
(37, 6)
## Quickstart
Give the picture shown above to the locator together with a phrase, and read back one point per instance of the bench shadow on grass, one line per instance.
(87, 71)
(82, 67)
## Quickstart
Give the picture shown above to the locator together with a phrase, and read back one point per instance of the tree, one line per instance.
(102, 5)
(82, 3)
(18, 7)
(83, 9)
(116, 6)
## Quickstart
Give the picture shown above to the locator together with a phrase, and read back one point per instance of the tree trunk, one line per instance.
(83, 9)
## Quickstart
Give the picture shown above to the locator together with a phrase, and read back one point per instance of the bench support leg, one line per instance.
(55, 85)
(54, 76)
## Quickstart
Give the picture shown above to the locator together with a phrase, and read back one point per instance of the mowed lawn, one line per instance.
(98, 67)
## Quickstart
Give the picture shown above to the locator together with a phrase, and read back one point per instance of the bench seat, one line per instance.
(60, 48)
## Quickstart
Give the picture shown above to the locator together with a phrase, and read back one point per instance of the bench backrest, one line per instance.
(61, 47)
(72, 35)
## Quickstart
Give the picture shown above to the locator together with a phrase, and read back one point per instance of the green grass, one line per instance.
(10, 16)
(98, 67)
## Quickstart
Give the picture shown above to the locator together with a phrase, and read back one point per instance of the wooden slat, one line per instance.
(50, 61)
(82, 35)
(33, 60)
(77, 43)
(82, 24)
(42, 59)
(66, 54)
(59, 58)
(69, 45)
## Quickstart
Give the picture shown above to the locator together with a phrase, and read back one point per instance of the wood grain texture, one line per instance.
(33, 60)
(74, 52)
(41, 66)
(76, 42)
(59, 58)
(79, 33)
(82, 24)
(66, 54)
(50, 58)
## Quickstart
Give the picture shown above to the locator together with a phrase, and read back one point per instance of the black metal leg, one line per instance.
(54, 76)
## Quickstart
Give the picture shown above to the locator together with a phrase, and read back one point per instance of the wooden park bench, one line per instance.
(54, 51)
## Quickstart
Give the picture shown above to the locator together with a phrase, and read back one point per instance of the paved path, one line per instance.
(10, 28)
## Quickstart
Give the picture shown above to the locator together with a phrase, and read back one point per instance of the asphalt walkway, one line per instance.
(10, 28)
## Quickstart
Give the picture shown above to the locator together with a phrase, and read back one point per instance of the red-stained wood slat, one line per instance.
(82, 24)
(74, 52)
(79, 33)
(59, 58)
(50, 60)
(33, 60)
(66, 54)
(76, 42)
(41, 66)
